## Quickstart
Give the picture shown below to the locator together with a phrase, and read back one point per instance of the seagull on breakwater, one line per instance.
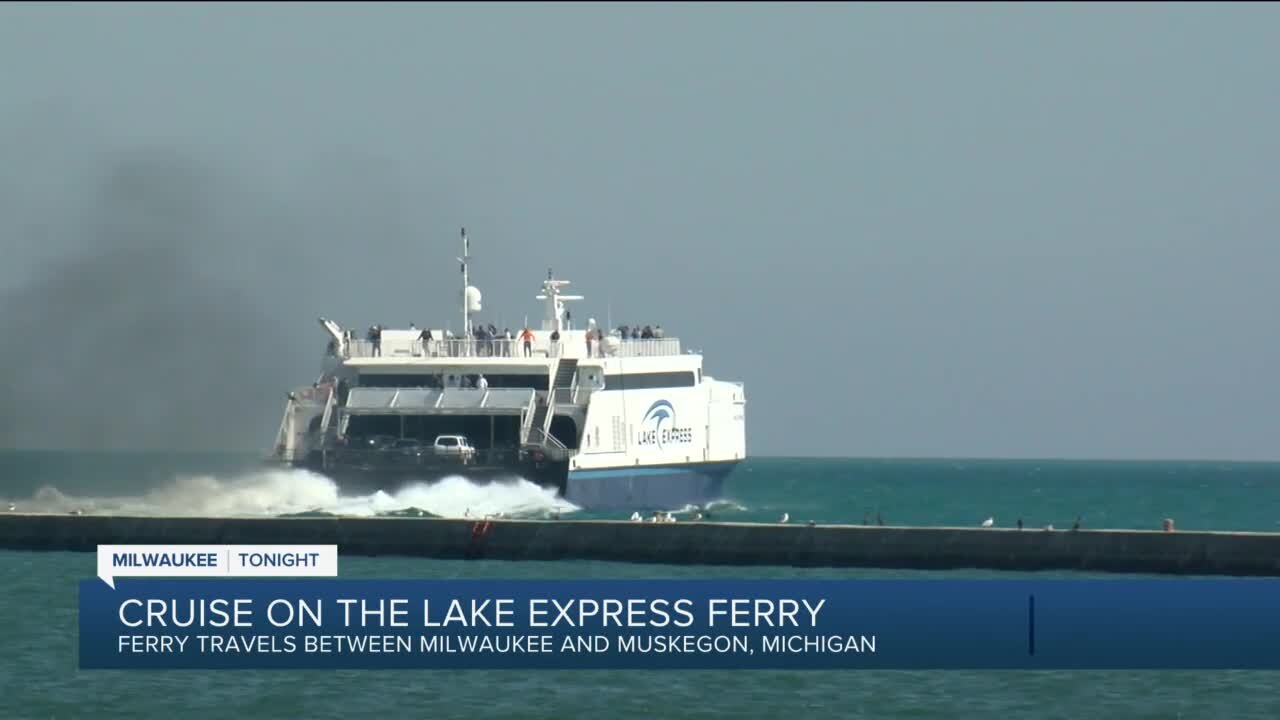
(635, 517)
(989, 522)
(785, 518)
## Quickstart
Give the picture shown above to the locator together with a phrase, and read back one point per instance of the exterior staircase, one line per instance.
(538, 429)
(565, 372)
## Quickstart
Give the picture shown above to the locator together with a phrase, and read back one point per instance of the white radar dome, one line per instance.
(473, 299)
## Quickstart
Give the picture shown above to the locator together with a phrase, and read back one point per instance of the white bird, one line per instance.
(12, 507)
(785, 517)
(988, 522)
(635, 517)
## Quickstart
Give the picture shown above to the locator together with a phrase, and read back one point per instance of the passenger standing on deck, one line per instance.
(506, 346)
(527, 338)
(425, 338)
(482, 384)
(657, 332)
(555, 343)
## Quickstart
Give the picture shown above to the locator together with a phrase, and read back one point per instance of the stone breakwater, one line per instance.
(683, 543)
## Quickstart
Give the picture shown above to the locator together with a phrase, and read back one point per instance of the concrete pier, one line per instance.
(682, 543)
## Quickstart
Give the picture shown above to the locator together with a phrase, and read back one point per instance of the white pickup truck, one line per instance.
(454, 446)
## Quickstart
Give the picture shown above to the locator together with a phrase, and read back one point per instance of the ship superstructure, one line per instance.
(611, 420)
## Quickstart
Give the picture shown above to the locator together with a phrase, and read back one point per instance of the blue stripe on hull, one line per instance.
(648, 488)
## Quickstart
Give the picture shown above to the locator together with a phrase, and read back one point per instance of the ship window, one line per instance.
(642, 381)
(405, 381)
(388, 380)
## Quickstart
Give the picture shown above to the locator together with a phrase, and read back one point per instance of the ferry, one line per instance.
(611, 418)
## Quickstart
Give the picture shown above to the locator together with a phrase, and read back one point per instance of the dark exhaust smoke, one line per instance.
(149, 328)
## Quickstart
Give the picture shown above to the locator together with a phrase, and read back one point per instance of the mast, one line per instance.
(466, 305)
(554, 313)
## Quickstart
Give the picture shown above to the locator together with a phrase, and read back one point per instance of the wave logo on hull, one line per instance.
(659, 427)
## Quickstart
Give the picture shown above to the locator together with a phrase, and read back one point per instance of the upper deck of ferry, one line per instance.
(483, 346)
(406, 346)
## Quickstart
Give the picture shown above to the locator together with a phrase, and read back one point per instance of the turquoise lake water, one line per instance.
(38, 625)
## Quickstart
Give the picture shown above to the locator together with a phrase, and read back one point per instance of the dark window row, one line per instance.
(537, 382)
(643, 381)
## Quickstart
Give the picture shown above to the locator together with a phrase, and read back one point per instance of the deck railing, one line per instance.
(549, 444)
(655, 347)
(501, 347)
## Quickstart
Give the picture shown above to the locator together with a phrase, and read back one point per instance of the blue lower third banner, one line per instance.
(654, 624)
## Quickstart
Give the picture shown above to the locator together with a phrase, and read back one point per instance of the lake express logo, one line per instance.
(659, 427)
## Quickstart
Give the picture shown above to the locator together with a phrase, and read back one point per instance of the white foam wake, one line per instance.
(284, 492)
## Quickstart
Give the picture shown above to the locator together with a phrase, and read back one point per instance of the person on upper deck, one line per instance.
(425, 338)
(647, 333)
(527, 338)
(506, 346)
(555, 342)
(375, 339)
(657, 332)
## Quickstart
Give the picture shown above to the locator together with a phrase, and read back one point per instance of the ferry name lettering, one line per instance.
(666, 436)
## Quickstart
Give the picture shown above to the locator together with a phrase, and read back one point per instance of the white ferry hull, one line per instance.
(664, 487)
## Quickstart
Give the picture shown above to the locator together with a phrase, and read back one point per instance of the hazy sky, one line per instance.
(1007, 230)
